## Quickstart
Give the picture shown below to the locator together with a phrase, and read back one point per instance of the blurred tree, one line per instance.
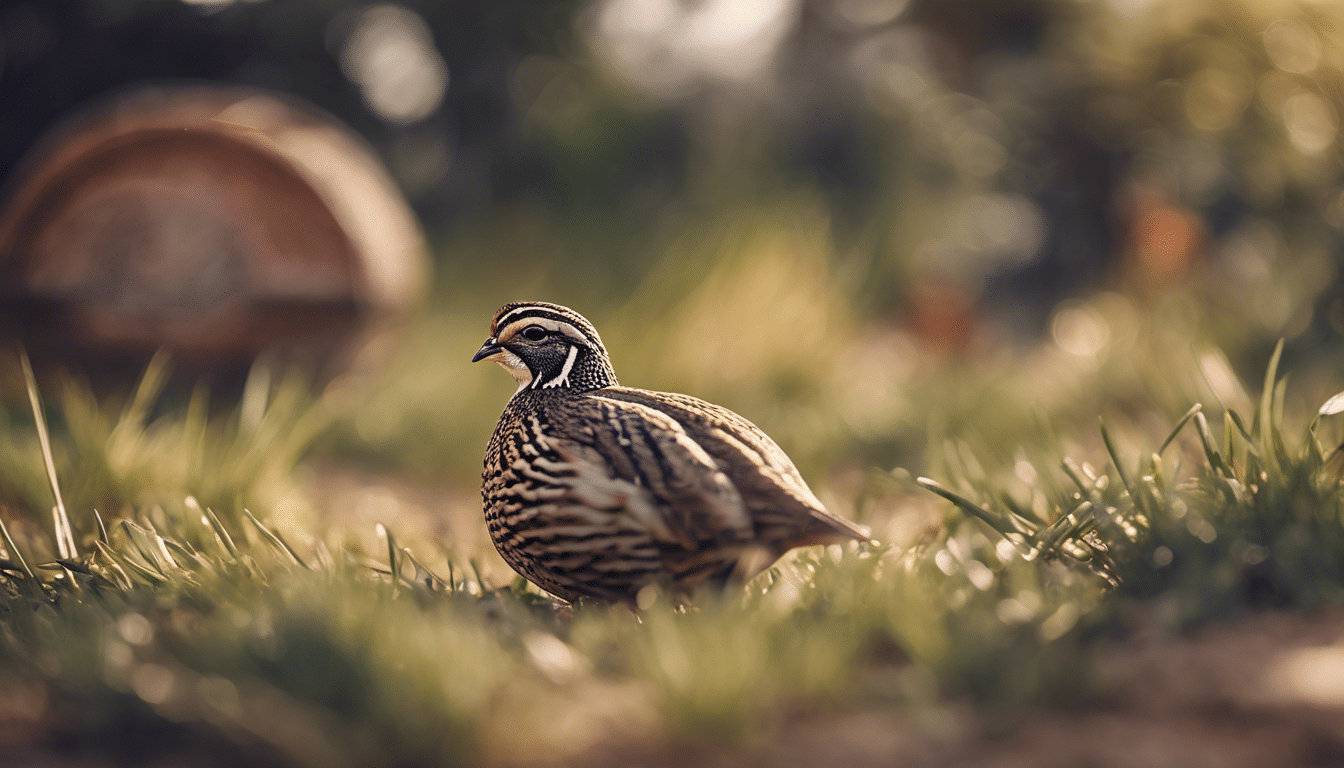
(57, 54)
(1014, 153)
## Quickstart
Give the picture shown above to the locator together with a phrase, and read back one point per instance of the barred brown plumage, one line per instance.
(596, 490)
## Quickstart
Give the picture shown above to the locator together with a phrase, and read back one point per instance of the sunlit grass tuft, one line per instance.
(133, 459)
(1255, 516)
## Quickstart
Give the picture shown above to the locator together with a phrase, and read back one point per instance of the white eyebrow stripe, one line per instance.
(509, 331)
(563, 378)
(511, 313)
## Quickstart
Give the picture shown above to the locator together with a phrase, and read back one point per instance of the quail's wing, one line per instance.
(624, 454)
(783, 509)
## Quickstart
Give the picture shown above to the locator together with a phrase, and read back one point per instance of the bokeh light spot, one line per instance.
(664, 47)
(153, 682)
(390, 54)
(1311, 676)
(1292, 47)
(1310, 121)
(135, 629)
(1079, 329)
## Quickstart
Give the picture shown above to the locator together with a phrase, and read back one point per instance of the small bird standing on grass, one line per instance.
(597, 490)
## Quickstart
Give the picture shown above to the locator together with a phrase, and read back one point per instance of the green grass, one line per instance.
(181, 607)
(125, 458)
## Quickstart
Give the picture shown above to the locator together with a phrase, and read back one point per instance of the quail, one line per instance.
(594, 490)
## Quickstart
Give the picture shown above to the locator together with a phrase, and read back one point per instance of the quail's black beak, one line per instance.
(488, 349)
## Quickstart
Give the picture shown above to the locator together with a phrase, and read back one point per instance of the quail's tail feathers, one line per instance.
(832, 529)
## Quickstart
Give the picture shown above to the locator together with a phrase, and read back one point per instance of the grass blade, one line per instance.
(1075, 474)
(65, 537)
(1115, 458)
(424, 575)
(256, 395)
(393, 558)
(476, 571)
(1180, 424)
(1210, 445)
(147, 390)
(102, 528)
(1245, 433)
(1267, 394)
(115, 560)
(222, 533)
(1026, 514)
(149, 575)
(975, 510)
(1062, 527)
(274, 540)
(1275, 433)
(141, 541)
(15, 553)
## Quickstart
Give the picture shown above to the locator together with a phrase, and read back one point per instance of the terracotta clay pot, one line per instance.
(220, 225)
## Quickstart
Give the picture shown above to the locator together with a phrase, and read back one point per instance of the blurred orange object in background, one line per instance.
(1164, 239)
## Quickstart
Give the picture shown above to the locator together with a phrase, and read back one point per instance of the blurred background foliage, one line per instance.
(866, 224)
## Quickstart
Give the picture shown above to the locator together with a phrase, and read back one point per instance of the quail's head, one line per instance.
(547, 346)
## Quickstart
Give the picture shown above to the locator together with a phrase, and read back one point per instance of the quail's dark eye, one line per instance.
(534, 333)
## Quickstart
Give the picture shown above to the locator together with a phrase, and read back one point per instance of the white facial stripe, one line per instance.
(514, 365)
(500, 322)
(507, 332)
(563, 378)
